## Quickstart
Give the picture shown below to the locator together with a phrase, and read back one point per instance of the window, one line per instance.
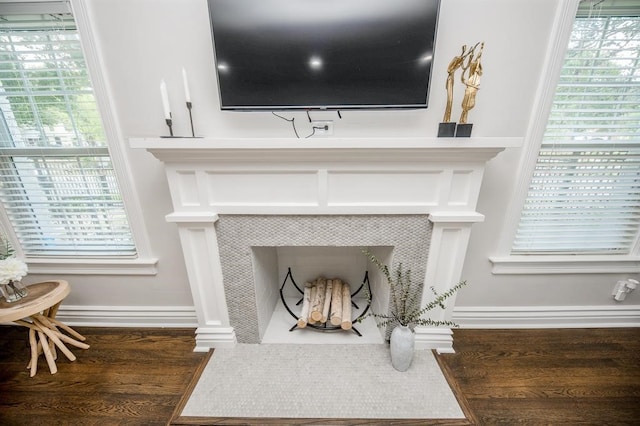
(584, 197)
(58, 187)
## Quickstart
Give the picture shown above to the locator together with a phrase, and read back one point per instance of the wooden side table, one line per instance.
(37, 311)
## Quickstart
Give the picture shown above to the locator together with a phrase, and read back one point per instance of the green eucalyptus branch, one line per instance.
(6, 250)
(440, 298)
(405, 307)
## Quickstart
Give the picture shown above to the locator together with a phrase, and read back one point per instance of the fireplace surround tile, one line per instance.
(409, 235)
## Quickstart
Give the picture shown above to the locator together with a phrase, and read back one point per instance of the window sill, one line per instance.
(531, 265)
(77, 266)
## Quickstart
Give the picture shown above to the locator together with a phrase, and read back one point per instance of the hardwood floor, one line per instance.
(550, 376)
(505, 377)
(128, 376)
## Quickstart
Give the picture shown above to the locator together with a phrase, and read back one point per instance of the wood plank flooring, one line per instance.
(505, 377)
(550, 376)
(128, 376)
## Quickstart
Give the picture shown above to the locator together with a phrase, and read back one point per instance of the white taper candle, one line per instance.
(187, 94)
(165, 100)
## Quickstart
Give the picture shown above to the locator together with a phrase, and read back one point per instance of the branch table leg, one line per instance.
(51, 324)
(33, 363)
(52, 336)
(47, 353)
(68, 329)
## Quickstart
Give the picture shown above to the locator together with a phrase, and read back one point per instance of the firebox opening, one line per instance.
(270, 267)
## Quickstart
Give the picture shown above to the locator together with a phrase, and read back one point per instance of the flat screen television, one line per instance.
(323, 54)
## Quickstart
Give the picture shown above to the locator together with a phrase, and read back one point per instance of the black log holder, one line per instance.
(324, 327)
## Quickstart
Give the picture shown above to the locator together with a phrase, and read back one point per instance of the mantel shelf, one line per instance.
(373, 150)
(157, 143)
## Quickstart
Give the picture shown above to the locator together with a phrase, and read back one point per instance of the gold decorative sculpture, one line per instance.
(473, 71)
(455, 63)
(469, 61)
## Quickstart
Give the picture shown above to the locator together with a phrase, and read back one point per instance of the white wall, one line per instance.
(144, 41)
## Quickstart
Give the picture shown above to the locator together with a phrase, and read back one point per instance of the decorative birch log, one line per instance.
(306, 304)
(346, 307)
(327, 301)
(336, 302)
(318, 302)
(314, 291)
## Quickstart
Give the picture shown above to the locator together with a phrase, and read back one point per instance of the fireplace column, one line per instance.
(449, 241)
(202, 258)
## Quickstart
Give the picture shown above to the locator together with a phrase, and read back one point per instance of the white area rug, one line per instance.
(320, 381)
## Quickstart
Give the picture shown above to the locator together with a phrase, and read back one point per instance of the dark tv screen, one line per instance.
(323, 54)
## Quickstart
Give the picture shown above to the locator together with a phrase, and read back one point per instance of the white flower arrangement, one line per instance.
(12, 269)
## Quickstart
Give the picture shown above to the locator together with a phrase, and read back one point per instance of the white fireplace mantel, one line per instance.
(324, 176)
(328, 148)
(209, 177)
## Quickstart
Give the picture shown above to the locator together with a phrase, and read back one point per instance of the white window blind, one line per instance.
(584, 196)
(57, 184)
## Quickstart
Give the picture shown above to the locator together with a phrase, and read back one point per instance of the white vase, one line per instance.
(13, 291)
(402, 345)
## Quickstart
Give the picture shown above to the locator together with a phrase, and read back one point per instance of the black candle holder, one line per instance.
(189, 106)
(170, 125)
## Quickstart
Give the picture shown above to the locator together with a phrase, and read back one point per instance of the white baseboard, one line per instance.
(465, 317)
(547, 316)
(214, 337)
(148, 316)
(128, 316)
(438, 338)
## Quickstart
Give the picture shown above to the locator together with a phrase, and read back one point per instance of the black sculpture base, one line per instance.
(464, 130)
(446, 130)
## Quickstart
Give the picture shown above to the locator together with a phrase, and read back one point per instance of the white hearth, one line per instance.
(238, 202)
